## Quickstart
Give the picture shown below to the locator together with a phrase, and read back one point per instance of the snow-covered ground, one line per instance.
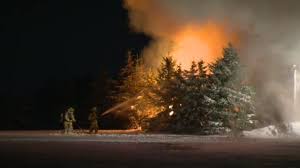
(136, 136)
(116, 136)
(272, 132)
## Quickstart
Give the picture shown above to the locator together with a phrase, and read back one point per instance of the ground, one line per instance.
(108, 149)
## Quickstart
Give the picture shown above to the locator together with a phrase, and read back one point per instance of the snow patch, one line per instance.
(272, 132)
(266, 132)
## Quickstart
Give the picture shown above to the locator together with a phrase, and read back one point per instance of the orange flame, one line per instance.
(199, 42)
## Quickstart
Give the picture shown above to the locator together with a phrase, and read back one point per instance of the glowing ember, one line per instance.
(195, 42)
(236, 109)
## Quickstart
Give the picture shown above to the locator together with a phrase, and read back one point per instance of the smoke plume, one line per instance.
(266, 33)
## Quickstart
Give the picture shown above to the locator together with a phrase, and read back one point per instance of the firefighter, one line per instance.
(93, 118)
(69, 119)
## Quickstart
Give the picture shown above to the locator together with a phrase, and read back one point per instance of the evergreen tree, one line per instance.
(202, 70)
(137, 81)
(234, 99)
(126, 79)
(144, 108)
(187, 116)
(167, 93)
(196, 106)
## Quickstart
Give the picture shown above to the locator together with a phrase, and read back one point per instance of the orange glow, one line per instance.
(199, 42)
(236, 109)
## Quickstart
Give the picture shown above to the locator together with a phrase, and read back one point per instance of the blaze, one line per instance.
(199, 42)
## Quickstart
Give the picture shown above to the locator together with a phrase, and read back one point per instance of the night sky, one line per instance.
(48, 46)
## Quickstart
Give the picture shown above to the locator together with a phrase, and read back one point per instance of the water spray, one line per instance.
(123, 105)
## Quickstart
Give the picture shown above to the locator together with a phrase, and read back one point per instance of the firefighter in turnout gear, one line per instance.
(69, 119)
(93, 118)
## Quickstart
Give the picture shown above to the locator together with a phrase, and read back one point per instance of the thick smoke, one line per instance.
(268, 39)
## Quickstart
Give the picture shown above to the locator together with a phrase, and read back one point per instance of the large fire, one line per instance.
(199, 42)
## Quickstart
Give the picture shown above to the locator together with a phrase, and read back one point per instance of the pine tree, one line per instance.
(202, 70)
(167, 93)
(136, 83)
(124, 89)
(196, 105)
(234, 99)
(188, 114)
(143, 108)
(206, 101)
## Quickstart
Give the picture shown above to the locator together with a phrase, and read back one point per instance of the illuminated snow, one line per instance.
(272, 132)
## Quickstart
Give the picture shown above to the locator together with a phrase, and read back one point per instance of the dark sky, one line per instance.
(44, 40)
